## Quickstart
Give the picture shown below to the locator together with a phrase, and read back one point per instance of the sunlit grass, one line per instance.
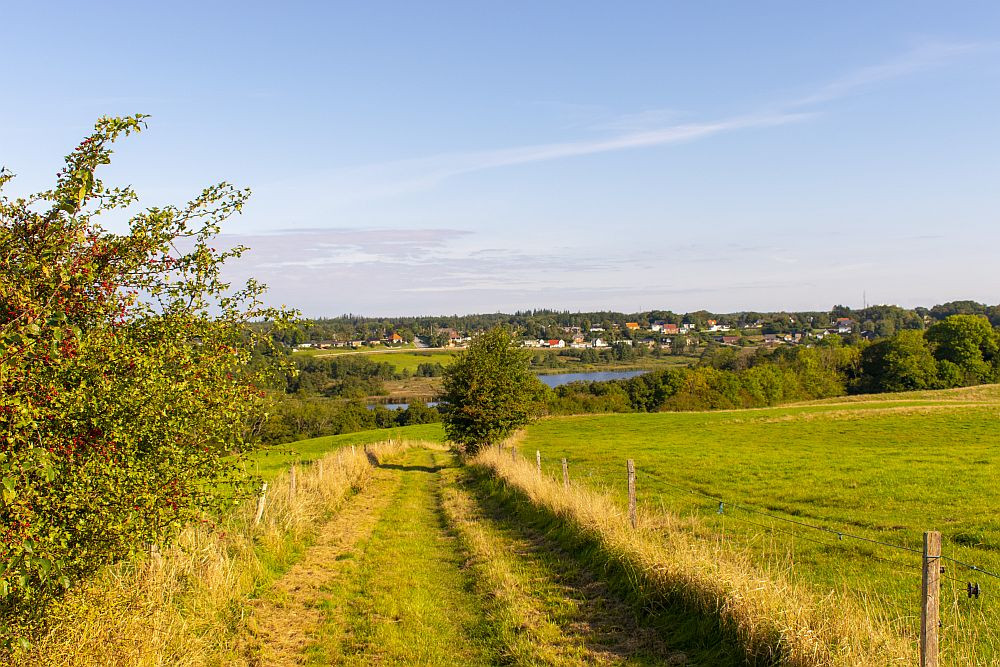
(884, 467)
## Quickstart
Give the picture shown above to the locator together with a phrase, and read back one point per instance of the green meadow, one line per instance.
(885, 468)
(408, 361)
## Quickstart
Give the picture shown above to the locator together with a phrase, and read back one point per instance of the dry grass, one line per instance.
(774, 620)
(189, 606)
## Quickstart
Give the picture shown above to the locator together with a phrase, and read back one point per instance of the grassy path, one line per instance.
(428, 566)
(287, 620)
(405, 599)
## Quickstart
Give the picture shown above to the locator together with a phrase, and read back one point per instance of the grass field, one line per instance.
(885, 468)
(408, 361)
(401, 357)
(405, 556)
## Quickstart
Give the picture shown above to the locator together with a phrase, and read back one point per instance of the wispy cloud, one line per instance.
(924, 57)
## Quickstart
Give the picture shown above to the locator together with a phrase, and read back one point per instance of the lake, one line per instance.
(557, 379)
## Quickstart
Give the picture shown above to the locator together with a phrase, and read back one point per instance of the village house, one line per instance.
(632, 326)
(670, 329)
(395, 339)
(598, 343)
(457, 340)
(557, 343)
(729, 340)
(843, 325)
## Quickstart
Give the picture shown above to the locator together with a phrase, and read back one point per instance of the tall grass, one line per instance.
(188, 605)
(773, 620)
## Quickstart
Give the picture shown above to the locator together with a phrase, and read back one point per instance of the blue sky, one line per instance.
(412, 158)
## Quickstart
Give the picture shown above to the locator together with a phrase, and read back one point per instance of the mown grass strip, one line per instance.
(406, 599)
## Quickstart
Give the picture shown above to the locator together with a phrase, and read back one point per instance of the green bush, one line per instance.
(125, 382)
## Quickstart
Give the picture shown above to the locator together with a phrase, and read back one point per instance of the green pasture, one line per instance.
(886, 468)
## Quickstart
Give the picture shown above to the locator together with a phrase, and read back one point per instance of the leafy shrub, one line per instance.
(125, 387)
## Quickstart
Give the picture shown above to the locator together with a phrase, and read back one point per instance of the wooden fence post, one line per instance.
(930, 611)
(630, 465)
(155, 558)
(513, 453)
(353, 451)
(538, 459)
(260, 504)
(565, 473)
(291, 481)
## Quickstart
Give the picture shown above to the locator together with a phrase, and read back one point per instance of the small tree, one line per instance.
(488, 392)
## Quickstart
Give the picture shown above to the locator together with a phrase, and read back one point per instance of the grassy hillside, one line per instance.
(882, 467)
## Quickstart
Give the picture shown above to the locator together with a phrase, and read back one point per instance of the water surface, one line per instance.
(557, 379)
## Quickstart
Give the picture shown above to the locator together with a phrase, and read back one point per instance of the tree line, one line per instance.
(880, 320)
(960, 350)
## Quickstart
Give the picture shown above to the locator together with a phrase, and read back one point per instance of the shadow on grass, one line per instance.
(627, 617)
(413, 468)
